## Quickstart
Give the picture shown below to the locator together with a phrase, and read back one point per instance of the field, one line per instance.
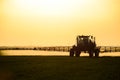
(59, 68)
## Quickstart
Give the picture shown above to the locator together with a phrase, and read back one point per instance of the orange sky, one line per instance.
(58, 22)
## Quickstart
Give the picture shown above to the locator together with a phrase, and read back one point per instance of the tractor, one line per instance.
(85, 44)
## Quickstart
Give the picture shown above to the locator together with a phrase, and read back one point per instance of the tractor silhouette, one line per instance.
(85, 44)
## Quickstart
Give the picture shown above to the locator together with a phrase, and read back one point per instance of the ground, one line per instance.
(59, 68)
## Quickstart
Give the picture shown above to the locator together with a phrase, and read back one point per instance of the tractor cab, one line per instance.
(85, 41)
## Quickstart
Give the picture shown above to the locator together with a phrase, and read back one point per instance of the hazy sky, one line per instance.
(58, 22)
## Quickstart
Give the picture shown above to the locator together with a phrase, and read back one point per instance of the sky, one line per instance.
(58, 22)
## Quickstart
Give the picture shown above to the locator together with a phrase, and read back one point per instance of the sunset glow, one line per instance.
(58, 22)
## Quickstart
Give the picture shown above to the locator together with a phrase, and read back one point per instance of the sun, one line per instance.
(45, 7)
(84, 8)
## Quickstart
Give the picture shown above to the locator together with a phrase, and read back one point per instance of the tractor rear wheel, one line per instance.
(71, 52)
(97, 53)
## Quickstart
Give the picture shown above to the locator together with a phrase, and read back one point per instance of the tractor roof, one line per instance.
(84, 36)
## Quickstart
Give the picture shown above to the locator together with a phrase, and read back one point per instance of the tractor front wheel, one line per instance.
(90, 53)
(77, 53)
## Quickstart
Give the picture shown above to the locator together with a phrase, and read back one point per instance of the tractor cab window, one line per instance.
(83, 40)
